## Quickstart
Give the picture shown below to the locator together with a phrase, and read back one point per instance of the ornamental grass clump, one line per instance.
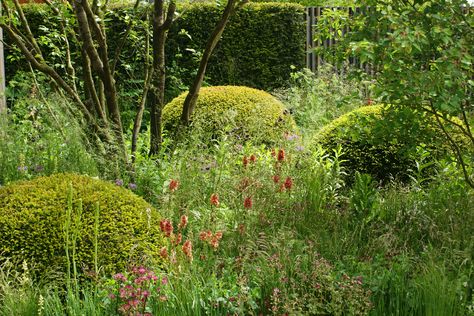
(68, 220)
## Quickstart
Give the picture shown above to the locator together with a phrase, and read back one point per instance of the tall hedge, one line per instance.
(259, 46)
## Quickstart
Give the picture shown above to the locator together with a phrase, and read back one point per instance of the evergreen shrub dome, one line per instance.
(239, 112)
(384, 141)
(33, 222)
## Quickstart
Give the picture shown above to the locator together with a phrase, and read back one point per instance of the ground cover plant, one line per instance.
(236, 225)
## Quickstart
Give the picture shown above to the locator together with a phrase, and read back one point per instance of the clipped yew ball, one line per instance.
(34, 220)
(385, 142)
(239, 112)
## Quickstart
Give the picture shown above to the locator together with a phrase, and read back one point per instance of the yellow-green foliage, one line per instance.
(242, 112)
(384, 141)
(33, 215)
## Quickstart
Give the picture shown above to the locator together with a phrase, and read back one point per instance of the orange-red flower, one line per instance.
(281, 155)
(248, 202)
(288, 183)
(164, 252)
(178, 239)
(218, 235)
(183, 222)
(188, 249)
(174, 184)
(253, 158)
(245, 161)
(166, 227)
(276, 178)
(215, 199)
(203, 236)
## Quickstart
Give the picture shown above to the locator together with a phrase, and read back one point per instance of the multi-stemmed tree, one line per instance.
(90, 79)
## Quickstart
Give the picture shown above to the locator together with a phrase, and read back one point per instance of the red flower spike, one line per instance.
(188, 249)
(253, 158)
(166, 227)
(215, 199)
(245, 161)
(281, 155)
(288, 183)
(276, 178)
(183, 221)
(248, 202)
(164, 252)
(178, 239)
(174, 184)
(203, 236)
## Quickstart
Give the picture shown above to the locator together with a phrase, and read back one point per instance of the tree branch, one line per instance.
(455, 147)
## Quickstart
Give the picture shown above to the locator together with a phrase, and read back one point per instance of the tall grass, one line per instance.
(41, 137)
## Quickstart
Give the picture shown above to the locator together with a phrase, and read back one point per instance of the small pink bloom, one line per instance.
(164, 281)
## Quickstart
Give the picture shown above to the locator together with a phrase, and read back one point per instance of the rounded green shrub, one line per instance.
(384, 141)
(38, 216)
(240, 112)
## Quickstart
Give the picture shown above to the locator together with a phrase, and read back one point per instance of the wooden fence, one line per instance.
(314, 61)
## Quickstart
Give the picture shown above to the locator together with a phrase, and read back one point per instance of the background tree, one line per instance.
(423, 53)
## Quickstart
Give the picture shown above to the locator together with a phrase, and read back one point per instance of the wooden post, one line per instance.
(3, 103)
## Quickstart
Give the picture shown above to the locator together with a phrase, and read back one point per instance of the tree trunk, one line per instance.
(161, 25)
(191, 98)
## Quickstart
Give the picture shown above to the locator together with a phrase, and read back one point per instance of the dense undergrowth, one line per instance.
(254, 230)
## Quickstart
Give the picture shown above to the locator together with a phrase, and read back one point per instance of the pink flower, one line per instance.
(215, 199)
(119, 277)
(248, 202)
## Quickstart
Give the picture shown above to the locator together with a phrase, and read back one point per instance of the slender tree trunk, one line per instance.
(161, 25)
(3, 103)
(191, 98)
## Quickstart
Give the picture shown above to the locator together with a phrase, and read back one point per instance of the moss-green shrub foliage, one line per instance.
(241, 112)
(258, 47)
(383, 141)
(33, 217)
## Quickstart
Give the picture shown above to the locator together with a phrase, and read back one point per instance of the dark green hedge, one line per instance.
(259, 46)
(257, 49)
